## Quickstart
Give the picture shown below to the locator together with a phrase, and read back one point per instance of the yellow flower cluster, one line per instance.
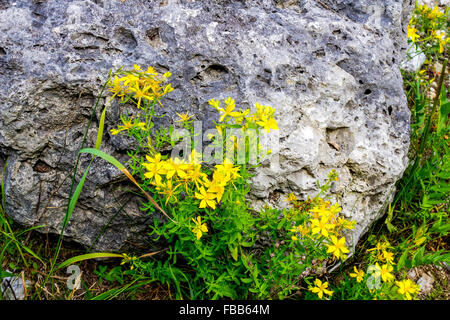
(325, 223)
(263, 117)
(434, 18)
(168, 175)
(430, 13)
(381, 253)
(140, 85)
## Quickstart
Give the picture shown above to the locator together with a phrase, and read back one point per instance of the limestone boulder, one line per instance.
(330, 68)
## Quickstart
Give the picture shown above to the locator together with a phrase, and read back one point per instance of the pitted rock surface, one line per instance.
(330, 68)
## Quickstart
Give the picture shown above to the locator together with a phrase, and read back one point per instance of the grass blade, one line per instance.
(122, 168)
(74, 198)
(87, 257)
(100, 129)
(104, 156)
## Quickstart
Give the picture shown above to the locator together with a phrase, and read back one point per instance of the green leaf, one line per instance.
(89, 256)
(4, 274)
(100, 129)
(74, 198)
(246, 280)
(234, 253)
(417, 259)
(247, 244)
(281, 224)
(104, 156)
(402, 260)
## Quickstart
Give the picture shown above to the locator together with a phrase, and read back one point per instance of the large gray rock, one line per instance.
(330, 68)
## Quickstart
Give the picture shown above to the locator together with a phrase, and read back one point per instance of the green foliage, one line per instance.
(217, 245)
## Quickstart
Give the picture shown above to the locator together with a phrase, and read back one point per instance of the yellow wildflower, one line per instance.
(167, 189)
(407, 288)
(320, 288)
(207, 198)
(141, 93)
(412, 34)
(291, 197)
(303, 230)
(199, 227)
(117, 88)
(184, 117)
(346, 224)
(388, 256)
(154, 171)
(240, 116)
(319, 211)
(439, 35)
(359, 274)
(196, 175)
(177, 167)
(263, 112)
(321, 226)
(228, 169)
(337, 247)
(385, 272)
(380, 246)
(435, 13)
(268, 123)
(127, 125)
(217, 185)
(214, 103)
(150, 71)
(155, 160)
(228, 110)
(128, 259)
(144, 85)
